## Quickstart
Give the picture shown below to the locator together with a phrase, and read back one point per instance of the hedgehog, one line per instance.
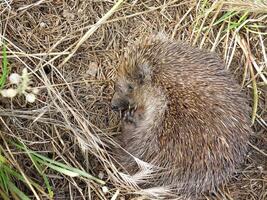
(184, 117)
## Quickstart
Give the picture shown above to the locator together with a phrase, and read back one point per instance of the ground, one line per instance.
(71, 49)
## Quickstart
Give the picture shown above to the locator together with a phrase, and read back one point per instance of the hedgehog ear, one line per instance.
(143, 73)
(141, 77)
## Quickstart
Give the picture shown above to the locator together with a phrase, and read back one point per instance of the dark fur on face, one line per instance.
(183, 114)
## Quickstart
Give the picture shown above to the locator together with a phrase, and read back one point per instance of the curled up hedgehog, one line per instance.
(185, 120)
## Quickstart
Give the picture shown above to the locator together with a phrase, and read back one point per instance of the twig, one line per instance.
(257, 149)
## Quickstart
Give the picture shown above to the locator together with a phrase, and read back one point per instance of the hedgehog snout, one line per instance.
(119, 103)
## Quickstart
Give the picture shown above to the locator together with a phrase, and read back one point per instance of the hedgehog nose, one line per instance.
(114, 107)
(119, 103)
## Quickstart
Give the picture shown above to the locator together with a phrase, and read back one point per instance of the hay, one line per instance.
(72, 121)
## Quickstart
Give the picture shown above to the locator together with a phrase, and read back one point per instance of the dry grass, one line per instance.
(71, 49)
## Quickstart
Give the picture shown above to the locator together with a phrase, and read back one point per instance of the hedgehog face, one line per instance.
(129, 88)
(122, 98)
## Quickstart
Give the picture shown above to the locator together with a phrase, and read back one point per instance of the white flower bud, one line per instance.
(42, 24)
(24, 72)
(14, 78)
(105, 189)
(9, 93)
(101, 175)
(30, 97)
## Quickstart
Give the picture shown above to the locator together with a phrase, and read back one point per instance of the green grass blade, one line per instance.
(243, 18)
(62, 170)
(39, 169)
(2, 159)
(255, 96)
(17, 191)
(225, 17)
(3, 180)
(4, 68)
(48, 186)
(3, 195)
(3, 176)
(239, 23)
(255, 32)
(20, 177)
(47, 161)
(65, 169)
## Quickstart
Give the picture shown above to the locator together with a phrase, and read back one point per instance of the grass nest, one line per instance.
(56, 146)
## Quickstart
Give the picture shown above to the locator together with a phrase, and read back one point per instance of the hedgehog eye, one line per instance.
(141, 76)
(130, 87)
